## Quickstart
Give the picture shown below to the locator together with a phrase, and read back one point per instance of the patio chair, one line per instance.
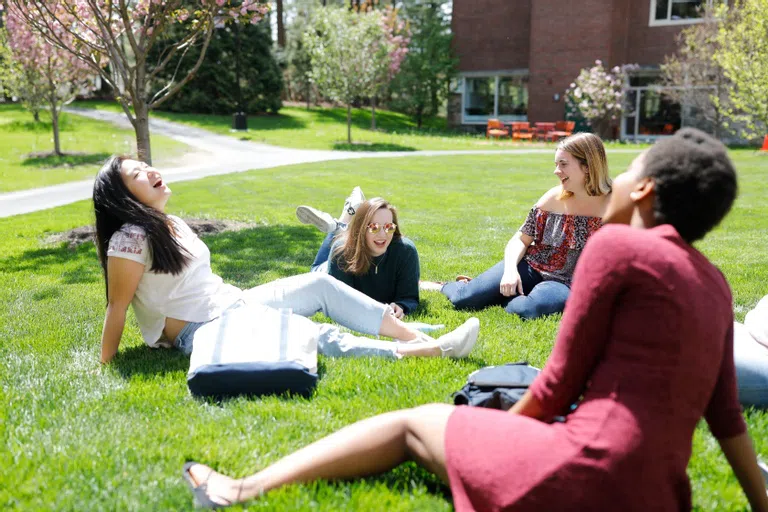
(496, 128)
(521, 130)
(540, 130)
(562, 129)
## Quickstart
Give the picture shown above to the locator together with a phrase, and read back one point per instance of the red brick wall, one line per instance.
(648, 45)
(491, 35)
(566, 36)
(555, 39)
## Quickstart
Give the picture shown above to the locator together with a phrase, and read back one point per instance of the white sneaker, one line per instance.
(459, 342)
(321, 220)
(354, 200)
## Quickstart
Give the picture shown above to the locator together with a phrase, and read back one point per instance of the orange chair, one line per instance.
(562, 129)
(521, 130)
(496, 128)
(540, 130)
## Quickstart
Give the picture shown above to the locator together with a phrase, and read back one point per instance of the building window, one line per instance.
(502, 96)
(513, 96)
(678, 12)
(649, 112)
(479, 97)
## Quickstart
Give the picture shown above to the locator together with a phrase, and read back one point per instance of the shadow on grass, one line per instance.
(370, 146)
(255, 122)
(75, 265)
(242, 257)
(65, 160)
(142, 360)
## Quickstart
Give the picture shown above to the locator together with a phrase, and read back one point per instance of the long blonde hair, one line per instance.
(352, 254)
(588, 149)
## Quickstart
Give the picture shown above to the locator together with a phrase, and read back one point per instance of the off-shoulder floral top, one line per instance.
(558, 239)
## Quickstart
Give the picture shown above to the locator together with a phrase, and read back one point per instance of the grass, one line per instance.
(86, 143)
(78, 436)
(326, 128)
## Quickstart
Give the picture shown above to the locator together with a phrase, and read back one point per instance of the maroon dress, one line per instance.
(646, 342)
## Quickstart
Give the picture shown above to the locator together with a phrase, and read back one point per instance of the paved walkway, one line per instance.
(213, 154)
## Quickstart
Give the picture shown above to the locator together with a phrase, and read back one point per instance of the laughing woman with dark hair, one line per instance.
(645, 350)
(154, 262)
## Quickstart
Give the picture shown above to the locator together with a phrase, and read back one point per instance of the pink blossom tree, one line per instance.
(114, 38)
(598, 95)
(41, 74)
(354, 54)
(396, 36)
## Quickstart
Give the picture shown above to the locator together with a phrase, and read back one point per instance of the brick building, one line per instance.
(517, 57)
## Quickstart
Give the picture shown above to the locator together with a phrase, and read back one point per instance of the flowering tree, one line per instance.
(41, 74)
(351, 54)
(694, 78)
(422, 84)
(598, 95)
(742, 51)
(396, 37)
(114, 38)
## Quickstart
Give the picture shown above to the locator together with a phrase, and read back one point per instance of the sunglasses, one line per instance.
(375, 227)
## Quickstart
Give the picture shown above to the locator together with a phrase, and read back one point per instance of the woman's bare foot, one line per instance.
(211, 489)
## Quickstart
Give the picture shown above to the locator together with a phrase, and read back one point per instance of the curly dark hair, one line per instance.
(695, 182)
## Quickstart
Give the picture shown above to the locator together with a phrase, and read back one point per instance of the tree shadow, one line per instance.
(370, 146)
(243, 257)
(255, 122)
(49, 160)
(80, 264)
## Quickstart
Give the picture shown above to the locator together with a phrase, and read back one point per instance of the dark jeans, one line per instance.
(539, 297)
(324, 252)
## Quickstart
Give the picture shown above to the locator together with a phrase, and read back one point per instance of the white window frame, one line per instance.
(495, 75)
(653, 22)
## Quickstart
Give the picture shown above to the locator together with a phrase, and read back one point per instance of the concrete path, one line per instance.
(212, 154)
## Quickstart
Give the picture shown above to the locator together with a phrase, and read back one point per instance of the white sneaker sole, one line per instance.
(321, 220)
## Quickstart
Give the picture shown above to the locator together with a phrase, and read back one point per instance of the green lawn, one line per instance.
(93, 141)
(326, 128)
(78, 436)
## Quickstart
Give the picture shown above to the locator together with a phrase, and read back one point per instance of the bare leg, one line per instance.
(395, 328)
(368, 447)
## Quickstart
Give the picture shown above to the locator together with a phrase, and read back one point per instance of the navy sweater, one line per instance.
(393, 276)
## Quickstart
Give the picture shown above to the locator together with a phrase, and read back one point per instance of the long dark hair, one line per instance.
(115, 205)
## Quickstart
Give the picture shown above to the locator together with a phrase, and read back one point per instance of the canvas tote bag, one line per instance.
(254, 350)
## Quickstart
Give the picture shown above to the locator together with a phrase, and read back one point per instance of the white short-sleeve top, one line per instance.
(194, 295)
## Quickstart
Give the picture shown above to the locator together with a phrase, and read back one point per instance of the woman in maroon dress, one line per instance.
(644, 350)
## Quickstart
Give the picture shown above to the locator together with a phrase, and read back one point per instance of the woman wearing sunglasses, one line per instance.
(155, 262)
(368, 252)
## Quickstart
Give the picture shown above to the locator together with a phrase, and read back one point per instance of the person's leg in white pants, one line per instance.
(751, 360)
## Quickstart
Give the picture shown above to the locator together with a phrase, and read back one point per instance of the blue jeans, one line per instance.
(751, 360)
(323, 254)
(539, 297)
(307, 294)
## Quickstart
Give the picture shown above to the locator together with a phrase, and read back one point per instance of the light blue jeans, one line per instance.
(751, 360)
(307, 294)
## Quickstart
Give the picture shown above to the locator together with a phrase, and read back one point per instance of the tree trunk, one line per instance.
(309, 92)
(373, 113)
(36, 116)
(419, 117)
(141, 127)
(280, 25)
(55, 125)
(349, 123)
